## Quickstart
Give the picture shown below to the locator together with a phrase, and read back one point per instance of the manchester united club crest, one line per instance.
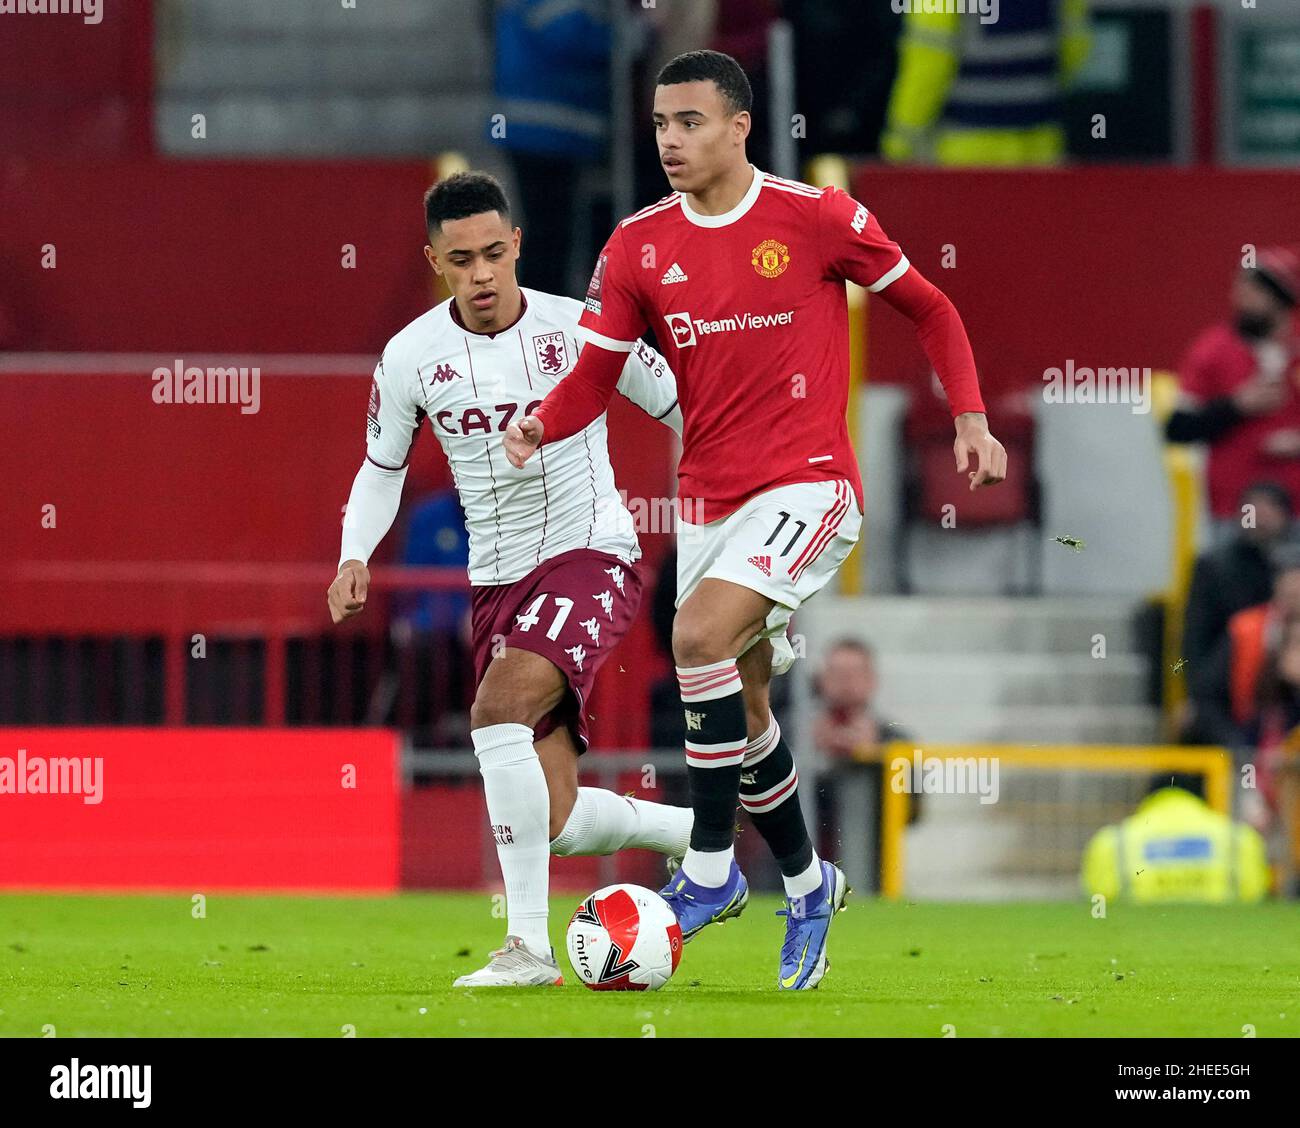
(552, 355)
(770, 258)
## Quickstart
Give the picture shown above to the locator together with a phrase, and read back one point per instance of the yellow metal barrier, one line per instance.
(1214, 764)
(1182, 470)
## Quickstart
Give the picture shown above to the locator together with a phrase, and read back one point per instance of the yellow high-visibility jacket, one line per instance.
(1175, 847)
(975, 93)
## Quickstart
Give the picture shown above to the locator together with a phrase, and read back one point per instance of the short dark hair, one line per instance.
(465, 194)
(711, 66)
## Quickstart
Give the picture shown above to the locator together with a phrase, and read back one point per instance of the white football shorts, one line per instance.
(784, 543)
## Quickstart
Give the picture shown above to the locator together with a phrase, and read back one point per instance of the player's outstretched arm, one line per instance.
(858, 250)
(942, 335)
(571, 406)
(372, 507)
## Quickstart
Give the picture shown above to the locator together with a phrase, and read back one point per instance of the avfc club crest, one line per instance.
(770, 258)
(551, 352)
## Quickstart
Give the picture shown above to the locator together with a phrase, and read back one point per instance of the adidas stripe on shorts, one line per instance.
(785, 543)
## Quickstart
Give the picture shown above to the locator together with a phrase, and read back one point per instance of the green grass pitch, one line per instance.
(383, 966)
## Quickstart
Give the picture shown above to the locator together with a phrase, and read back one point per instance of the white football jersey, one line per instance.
(470, 386)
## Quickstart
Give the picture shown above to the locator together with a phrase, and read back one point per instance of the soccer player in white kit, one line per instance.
(553, 551)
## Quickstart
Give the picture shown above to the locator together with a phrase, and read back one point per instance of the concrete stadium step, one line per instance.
(1039, 724)
(916, 624)
(305, 17)
(311, 78)
(935, 681)
(998, 670)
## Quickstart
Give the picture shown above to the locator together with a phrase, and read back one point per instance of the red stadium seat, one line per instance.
(930, 484)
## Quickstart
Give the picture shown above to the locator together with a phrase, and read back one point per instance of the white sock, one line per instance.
(518, 806)
(602, 822)
(804, 883)
(709, 867)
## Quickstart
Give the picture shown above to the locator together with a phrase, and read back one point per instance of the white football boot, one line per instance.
(515, 965)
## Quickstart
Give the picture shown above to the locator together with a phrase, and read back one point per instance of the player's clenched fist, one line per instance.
(347, 594)
(522, 439)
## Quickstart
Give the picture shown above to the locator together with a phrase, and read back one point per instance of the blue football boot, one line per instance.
(807, 921)
(698, 905)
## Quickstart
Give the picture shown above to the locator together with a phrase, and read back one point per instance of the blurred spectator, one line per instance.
(1238, 390)
(1224, 688)
(855, 43)
(1175, 847)
(972, 91)
(552, 90)
(1237, 574)
(1275, 729)
(848, 726)
(849, 734)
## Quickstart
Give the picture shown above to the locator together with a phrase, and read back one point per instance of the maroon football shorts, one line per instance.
(572, 610)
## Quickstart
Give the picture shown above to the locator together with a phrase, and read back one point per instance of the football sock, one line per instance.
(709, 868)
(801, 884)
(518, 806)
(715, 747)
(769, 791)
(602, 822)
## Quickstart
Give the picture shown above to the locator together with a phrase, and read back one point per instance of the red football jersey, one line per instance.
(751, 311)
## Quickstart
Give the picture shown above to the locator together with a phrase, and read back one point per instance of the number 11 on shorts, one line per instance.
(781, 525)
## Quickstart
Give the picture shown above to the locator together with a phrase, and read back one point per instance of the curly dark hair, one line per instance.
(465, 194)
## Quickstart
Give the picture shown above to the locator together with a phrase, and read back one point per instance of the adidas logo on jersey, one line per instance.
(762, 563)
(674, 274)
(443, 373)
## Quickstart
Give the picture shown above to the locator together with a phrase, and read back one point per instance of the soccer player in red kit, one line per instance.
(742, 276)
